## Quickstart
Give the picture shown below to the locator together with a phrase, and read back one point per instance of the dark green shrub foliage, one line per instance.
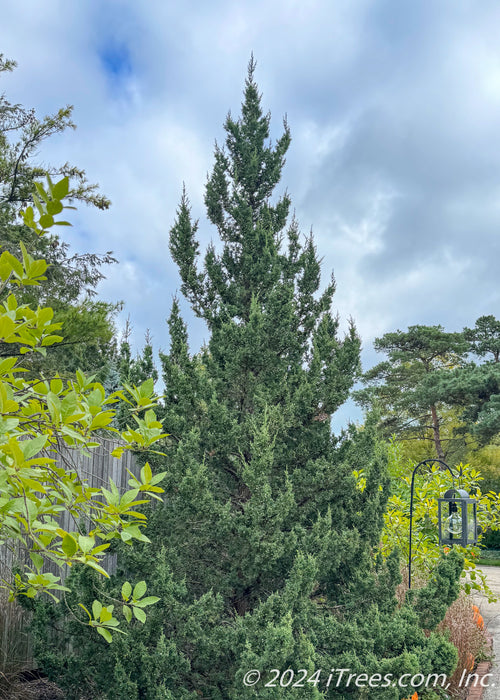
(263, 550)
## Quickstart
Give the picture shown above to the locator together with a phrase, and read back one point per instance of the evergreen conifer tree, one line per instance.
(475, 388)
(263, 550)
(404, 387)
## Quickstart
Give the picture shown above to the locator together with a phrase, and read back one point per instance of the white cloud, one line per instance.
(394, 116)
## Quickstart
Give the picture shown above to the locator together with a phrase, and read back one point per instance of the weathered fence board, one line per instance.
(97, 469)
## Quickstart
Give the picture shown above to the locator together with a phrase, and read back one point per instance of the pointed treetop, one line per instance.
(252, 65)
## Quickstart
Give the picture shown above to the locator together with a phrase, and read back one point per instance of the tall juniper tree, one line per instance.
(262, 551)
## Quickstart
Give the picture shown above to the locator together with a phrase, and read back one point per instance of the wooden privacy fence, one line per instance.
(97, 470)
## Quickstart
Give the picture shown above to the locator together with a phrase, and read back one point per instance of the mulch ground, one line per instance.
(37, 689)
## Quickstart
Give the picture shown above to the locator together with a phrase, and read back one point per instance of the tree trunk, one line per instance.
(437, 436)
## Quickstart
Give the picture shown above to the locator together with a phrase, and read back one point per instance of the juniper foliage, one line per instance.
(263, 550)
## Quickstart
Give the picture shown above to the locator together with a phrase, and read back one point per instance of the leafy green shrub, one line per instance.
(429, 486)
(37, 415)
(491, 540)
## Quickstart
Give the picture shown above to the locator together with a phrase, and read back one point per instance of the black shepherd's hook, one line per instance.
(425, 461)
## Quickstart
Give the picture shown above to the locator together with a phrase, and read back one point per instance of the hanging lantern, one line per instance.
(457, 516)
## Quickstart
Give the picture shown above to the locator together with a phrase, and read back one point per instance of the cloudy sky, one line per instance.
(394, 109)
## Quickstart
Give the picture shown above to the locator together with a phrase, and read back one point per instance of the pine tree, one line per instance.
(484, 338)
(475, 388)
(262, 552)
(403, 387)
(429, 388)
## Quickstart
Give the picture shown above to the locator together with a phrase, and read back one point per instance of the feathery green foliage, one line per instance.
(262, 551)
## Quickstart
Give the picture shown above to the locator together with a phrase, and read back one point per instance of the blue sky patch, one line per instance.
(116, 61)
